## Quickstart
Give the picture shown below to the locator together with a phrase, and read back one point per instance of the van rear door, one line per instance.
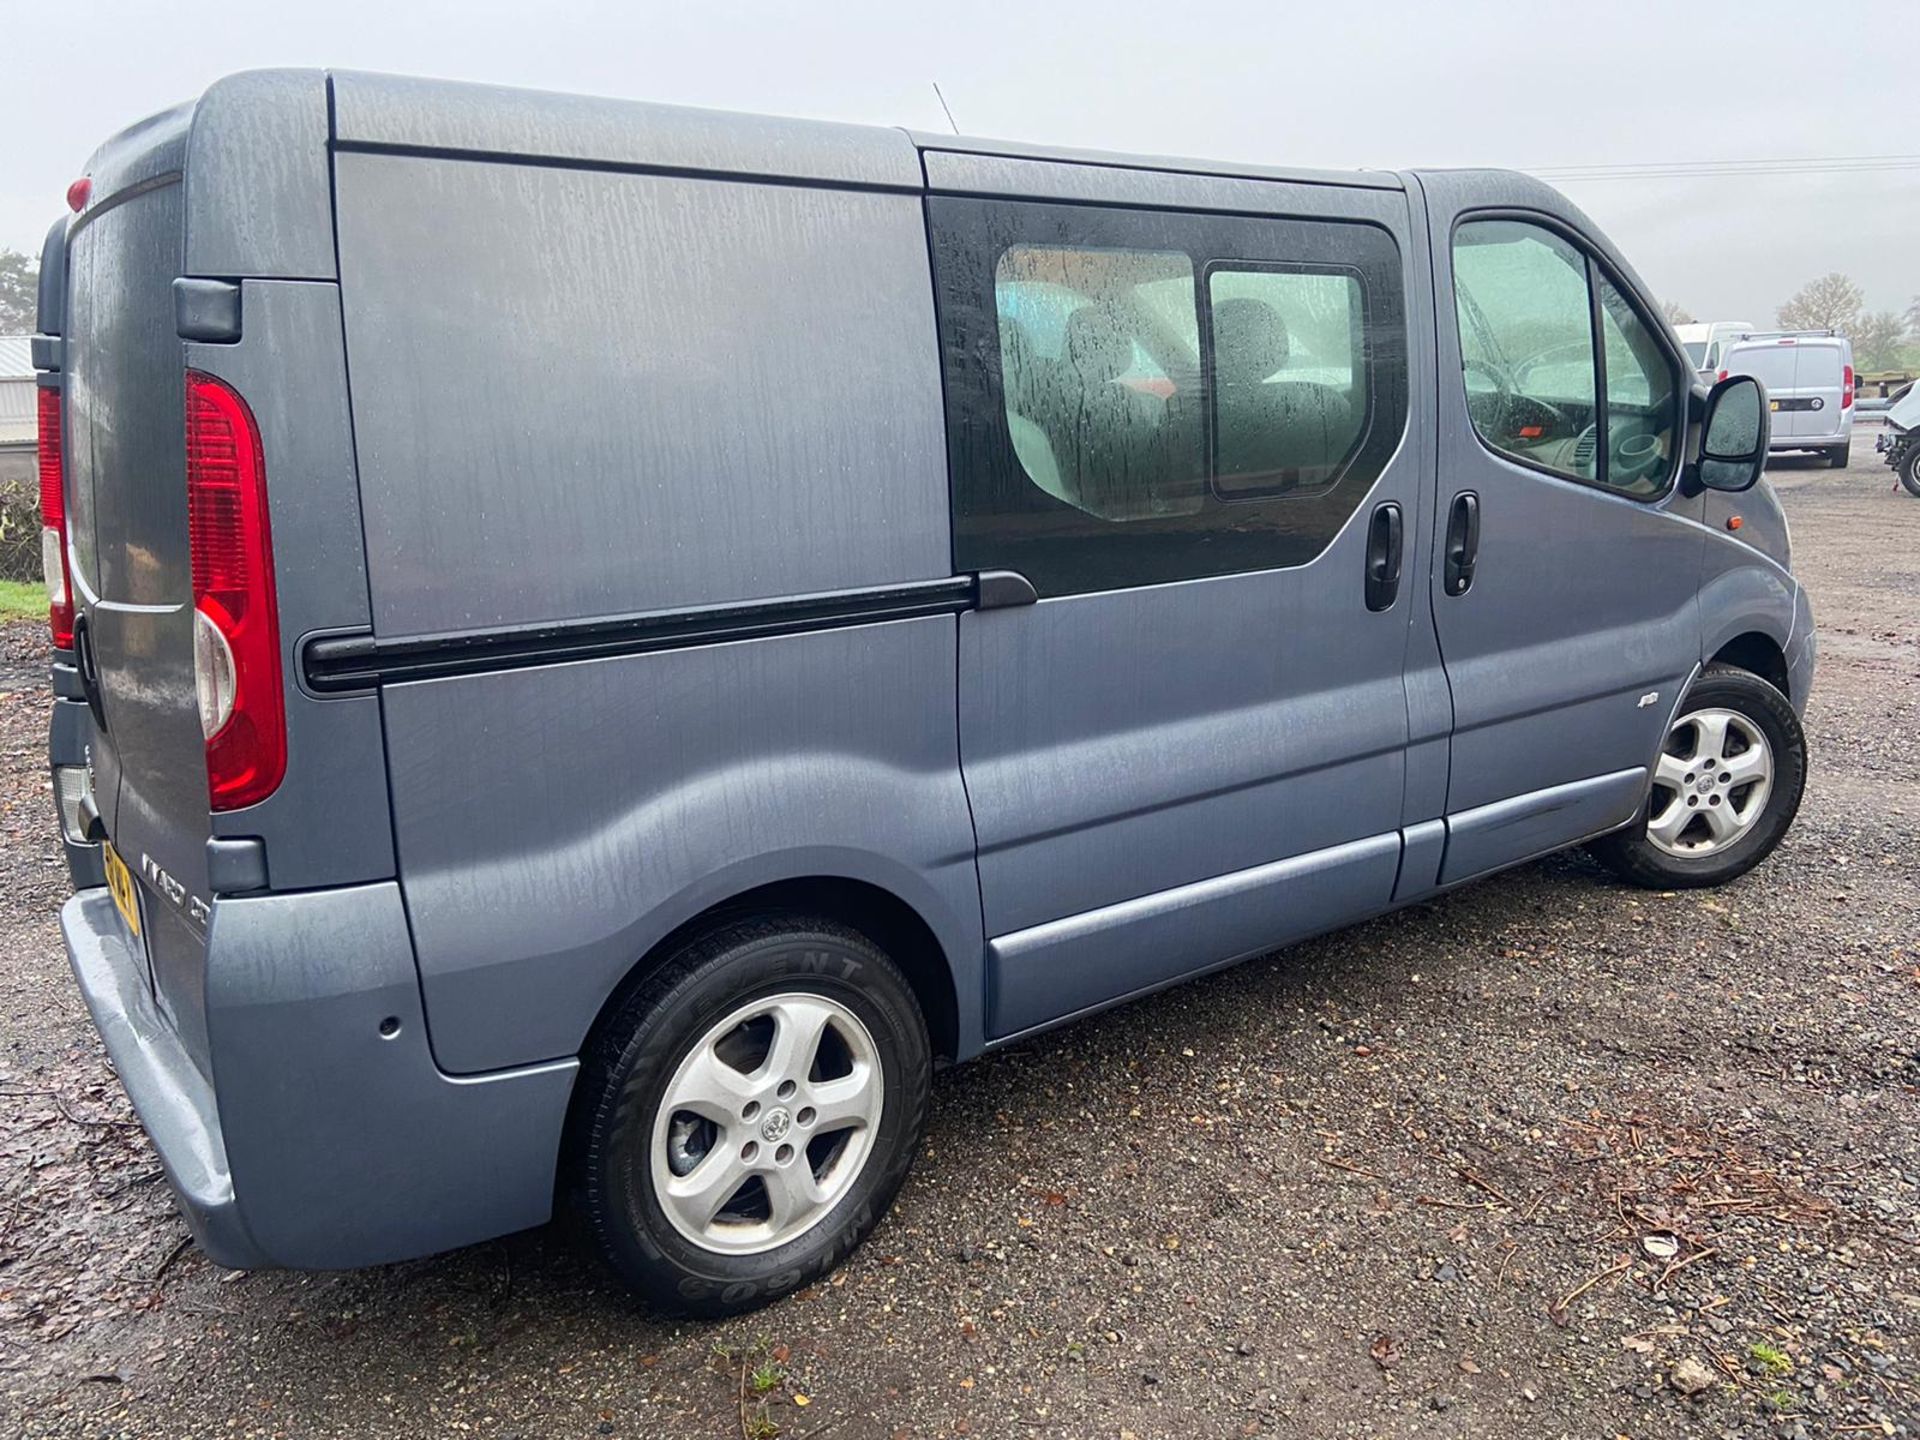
(1817, 388)
(127, 495)
(1773, 364)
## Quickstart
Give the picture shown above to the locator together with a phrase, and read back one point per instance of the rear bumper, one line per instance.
(326, 1137)
(174, 1101)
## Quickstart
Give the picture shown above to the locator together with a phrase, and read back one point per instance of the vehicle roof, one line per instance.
(373, 110)
(1805, 342)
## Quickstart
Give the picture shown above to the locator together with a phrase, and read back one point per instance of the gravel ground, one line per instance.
(1530, 1161)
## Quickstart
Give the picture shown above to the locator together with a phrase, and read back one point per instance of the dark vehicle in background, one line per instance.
(597, 643)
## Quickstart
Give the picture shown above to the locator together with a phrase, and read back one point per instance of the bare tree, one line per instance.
(1913, 317)
(1678, 314)
(1830, 303)
(1876, 340)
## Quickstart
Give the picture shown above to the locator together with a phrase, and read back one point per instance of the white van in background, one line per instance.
(1809, 380)
(1706, 340)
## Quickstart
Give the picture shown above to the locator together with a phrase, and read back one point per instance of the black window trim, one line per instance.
(1596, 265)
(1211, 391)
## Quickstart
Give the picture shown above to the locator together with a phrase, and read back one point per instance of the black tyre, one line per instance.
(1909, 467)
(747, 1115)
(1727, 786)
(1838, 456)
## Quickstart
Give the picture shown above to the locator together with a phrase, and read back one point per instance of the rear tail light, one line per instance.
(1846, 388)
(236, 623)
(1721, 376)
(53, 522)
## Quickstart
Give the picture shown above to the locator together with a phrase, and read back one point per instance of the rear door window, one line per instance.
(1140, 397)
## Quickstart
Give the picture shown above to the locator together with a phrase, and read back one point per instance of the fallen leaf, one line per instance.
(1660, 1245)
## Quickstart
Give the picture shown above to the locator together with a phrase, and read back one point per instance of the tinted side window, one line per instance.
(1090, 344)
(1135, 398)
(1290, 378)
(1561, 372)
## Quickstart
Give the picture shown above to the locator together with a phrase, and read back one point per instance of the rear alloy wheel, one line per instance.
(747, 1115)
(1725, 788)
(1909, 467)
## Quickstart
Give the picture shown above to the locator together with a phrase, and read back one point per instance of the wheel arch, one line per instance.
(1758, 654)
(906, 935)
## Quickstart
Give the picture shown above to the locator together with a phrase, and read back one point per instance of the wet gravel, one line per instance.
(1547, 1157)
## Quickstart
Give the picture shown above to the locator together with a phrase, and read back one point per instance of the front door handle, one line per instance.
(1383, 557)
(1463, 542)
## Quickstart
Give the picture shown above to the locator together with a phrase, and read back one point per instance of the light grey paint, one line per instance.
(1101, 956)
(127, 501)
(328, 822)
(145, 152)
(495, 120)
(555, 824)
(1429, 699)
(174, 1100)
(1490, 837)
(1033, 177)
(945, 154)
(1120, 743)
(633, 392)
(1763, 528)
(348, 1147)
(318, 1142)
(1116, 744)
(1802, 648)
(1421, 847)
(259, 199)
(1583, 602)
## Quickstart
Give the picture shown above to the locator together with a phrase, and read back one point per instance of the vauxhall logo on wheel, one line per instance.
(775, 1127)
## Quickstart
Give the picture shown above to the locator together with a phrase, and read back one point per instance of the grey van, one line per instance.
(604, 643)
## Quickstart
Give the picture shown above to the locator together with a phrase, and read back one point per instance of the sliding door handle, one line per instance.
(1383, 557)
(1463, 542)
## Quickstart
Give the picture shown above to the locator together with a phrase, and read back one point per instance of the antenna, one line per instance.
(944, 106)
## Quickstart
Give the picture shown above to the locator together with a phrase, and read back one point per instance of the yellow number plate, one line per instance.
(120, 883)
(1773, 404)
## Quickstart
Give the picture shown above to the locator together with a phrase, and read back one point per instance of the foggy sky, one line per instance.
(1385, 85)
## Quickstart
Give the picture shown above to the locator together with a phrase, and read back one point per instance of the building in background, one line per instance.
(19, 464)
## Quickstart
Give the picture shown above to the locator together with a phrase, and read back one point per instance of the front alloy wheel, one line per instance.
(1711, 785)
(1725, 788)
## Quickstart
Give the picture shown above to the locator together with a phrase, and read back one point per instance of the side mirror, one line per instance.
(1734, 434)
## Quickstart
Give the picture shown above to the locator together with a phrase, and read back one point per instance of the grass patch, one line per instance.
(1770, 1358)
(22, 600)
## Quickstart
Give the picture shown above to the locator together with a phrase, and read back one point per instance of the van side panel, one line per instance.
(555, 823)
(590, 393)
(586, 393)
